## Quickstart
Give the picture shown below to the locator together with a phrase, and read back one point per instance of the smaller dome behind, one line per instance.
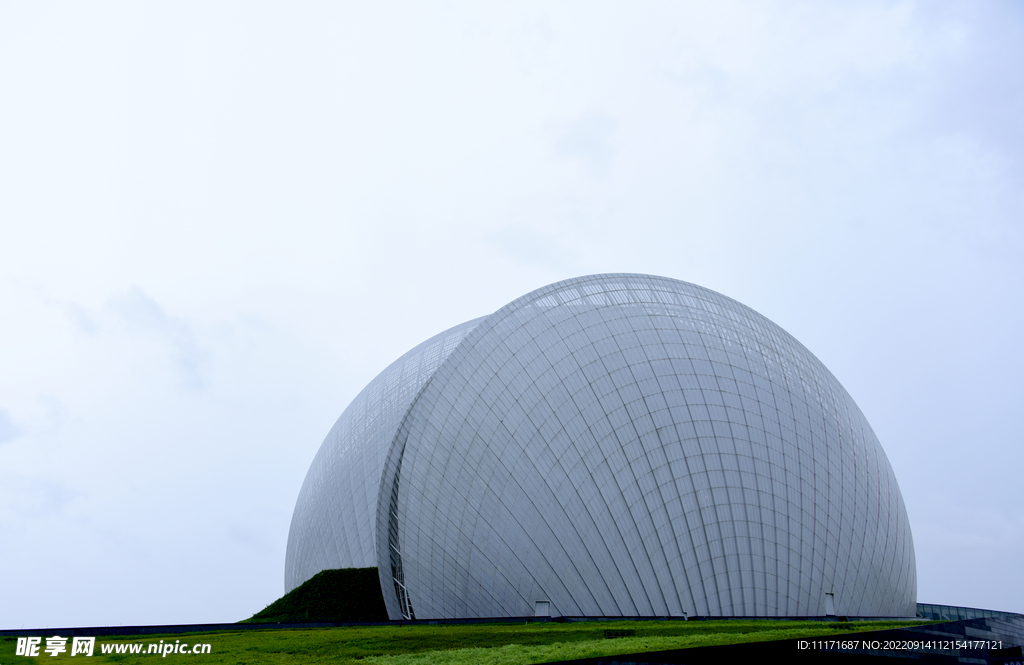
(335, 515)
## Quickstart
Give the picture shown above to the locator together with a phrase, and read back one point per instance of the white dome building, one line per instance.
(611, 445)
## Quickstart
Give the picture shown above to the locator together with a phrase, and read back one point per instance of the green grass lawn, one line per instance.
(480, 644)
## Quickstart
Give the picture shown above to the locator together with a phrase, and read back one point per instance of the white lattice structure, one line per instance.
(616, 445)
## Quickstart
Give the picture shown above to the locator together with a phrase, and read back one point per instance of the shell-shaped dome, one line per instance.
(628, 445)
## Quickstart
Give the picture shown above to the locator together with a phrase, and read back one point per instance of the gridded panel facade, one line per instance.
(629, 445)
(335, 515)
(633, 445)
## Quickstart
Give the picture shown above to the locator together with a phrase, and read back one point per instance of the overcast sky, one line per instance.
(219, 221)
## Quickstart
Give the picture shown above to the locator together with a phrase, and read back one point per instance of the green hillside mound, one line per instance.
(346, 594)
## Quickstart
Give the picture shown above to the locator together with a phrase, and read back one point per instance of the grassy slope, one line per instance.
(349, 594)
(481, 644)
